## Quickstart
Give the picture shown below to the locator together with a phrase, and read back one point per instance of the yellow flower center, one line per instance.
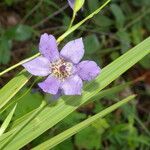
(61, 69)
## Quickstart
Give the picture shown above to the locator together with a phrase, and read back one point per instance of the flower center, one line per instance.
(61, 69)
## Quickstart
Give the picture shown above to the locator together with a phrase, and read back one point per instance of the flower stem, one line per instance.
(18, 64)
(72, 28)
(72, 20)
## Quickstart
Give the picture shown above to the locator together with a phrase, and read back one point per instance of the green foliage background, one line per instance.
(108, 35)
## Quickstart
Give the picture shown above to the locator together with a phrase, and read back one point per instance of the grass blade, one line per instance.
(11, 136)
(73, 130)
(12, 87)
(7, 121)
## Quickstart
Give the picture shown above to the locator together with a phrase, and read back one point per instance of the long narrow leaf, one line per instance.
(73, 130)
(12, 87)
(51, 115)
(7, 121)
(23, 125)
(101, 94)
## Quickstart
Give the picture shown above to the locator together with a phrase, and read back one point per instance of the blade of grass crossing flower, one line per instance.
(53, 114)
(98, 96)
(12, 87)
(101, 94)
(63, 36)
(7, 121)
(73, 130)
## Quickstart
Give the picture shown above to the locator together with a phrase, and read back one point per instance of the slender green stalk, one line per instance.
(81, 22)
(20, 63)
(72, 20)
(73, 28)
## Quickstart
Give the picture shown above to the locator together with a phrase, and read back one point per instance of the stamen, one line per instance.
(61, 69)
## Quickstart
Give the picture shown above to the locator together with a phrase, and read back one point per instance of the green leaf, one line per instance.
(75, 117)
(67, 145)
(19, 32)
(117, 12)
(103, 21)
(88, 138)
(71, 131)
(137, 33)
(124, 39)
(7, 121)
(22, 125)
(53, 114)
(140, 3)
(12, 87)
(26, 103)
(145, 62)
(93, 5)
(78, 5)
(9, 2)
(147, 21)
(23, 32)
(91, 44)
(5, 50)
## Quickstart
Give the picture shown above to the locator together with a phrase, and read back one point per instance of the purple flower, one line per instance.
(71, 3)
(64, 70)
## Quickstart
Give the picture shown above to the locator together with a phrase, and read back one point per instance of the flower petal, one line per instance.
(48, 47)
(50, 85)
(58, 94)
(72, 86)
(39, 66)
(88, 70)
(71, 3)
(73, 51)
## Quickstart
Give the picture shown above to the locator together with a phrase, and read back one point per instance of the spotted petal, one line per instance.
(39, 66)
(73, 51)
(50, 85)
(48, 47)
(88, 70)
(72, 86)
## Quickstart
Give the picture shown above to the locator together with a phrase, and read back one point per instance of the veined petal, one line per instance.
(73, 51)
(48, 47)
(72, 86)
(71, 3)
(39, 66)
(50, 85)
(88, 70)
